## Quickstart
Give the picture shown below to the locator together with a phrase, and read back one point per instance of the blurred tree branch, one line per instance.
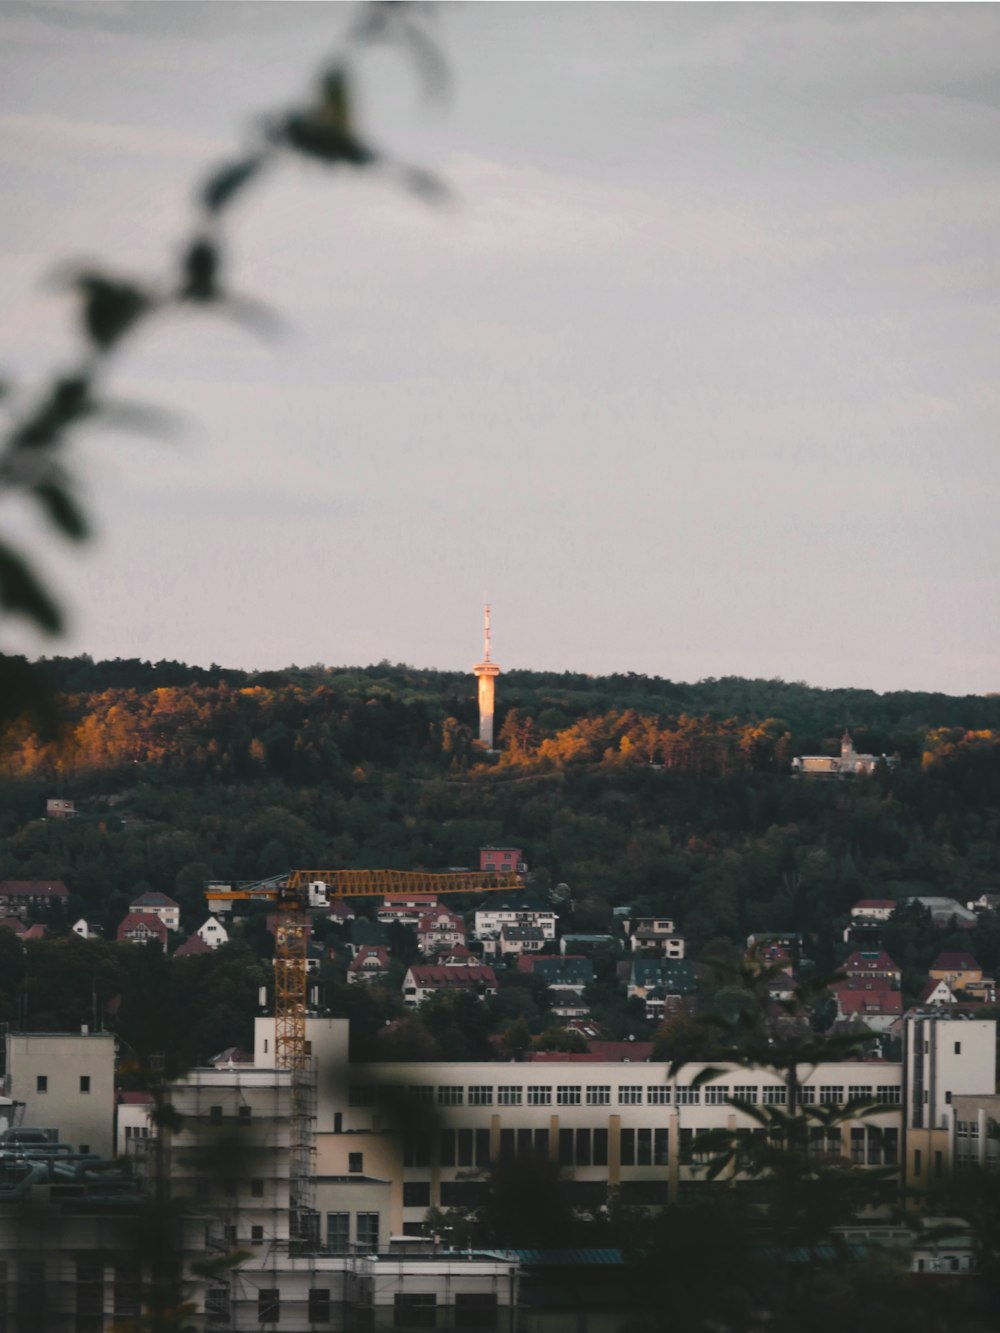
(35, 464)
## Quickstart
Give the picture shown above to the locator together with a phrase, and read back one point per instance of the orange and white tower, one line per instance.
(486, 673)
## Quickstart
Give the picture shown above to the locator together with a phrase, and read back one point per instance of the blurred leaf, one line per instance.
(219, 190)
(62, 509)
(429, 187)
(335, 101)
(317, 139)
(110, 308)
(22, 593)
(68, 401)
(200, 271)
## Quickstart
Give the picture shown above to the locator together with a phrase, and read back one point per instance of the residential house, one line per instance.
(515, 940)
(55, 808)
(871, 965)
(672, 976)
(439, 930)
(515, 910)
(406, 910)
(873, 910)
(424, 980)
(654, 934)
(986, 902)
(17, 895)
(503, 860)
(878, 1008)
(565, 971)
(85, 930)
(213, 932)
(370, 963)
(960, 970)
(13, 923)
(159, 905)
(937, 993)
(141, 928)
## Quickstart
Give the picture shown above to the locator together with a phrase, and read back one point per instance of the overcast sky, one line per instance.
(697, 378)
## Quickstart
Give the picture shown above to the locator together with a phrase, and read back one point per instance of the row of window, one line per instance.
(871, 1146)
(637, 1147)
(472, 1310)
(338, 1232)
(42, 1082)
(628, 1094)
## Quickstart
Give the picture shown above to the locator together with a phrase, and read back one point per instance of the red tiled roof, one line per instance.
(622, 1050)
(864, 962)
(874, 903)
(366, 951)
(33, 888)
(36, 932)
(870, 1002)
(13, 923)
(432, 975)
(195, 944)
(955, 962)
(135, 1099)
(155, 925)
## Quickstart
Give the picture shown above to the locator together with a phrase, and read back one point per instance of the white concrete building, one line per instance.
(65, 1081)
(515, 911)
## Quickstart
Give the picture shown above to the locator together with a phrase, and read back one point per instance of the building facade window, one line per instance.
(421, 1092)
(480, 1095)
(746, 1092)
(319, 1305)
(832, 1094)
(630, 1094)
(658, 1094)
(361, 1094)
(716, 1094)
(688, 1096)
(416, 1194)
(355, 1163)
(41, 1083)
(450, 1095)
(84, 1082)
(415, 1309)
(539, 1096)
(567, 1094)
(509, 1094)
(598, 1094)
(774, 1095)
(889, 1094)
(268, 1305)
(338, 1232)
(859, 1092)
(368, 1232)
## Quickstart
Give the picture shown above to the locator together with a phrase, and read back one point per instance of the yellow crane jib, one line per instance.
(293, 894)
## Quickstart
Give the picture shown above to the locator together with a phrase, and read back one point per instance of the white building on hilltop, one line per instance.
(847, 764)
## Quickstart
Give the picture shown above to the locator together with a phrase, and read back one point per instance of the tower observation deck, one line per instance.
(486, 673)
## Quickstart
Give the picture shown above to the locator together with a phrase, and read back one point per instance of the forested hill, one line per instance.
(632, 790)
(555, 699)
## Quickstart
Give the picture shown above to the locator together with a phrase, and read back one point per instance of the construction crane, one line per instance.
(292, 896)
